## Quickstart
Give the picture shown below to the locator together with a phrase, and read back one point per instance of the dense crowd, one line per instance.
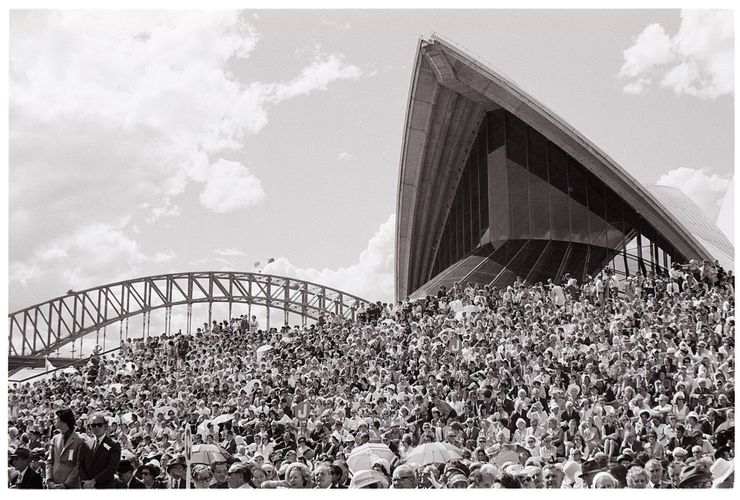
(606, 383)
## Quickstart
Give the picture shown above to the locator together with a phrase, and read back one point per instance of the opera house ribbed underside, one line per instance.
(494, 186)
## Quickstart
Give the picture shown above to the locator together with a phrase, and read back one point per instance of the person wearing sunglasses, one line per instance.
(404, 477)
(101, 458)
(149, 473)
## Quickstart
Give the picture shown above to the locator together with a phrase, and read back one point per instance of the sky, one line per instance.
(150, 142)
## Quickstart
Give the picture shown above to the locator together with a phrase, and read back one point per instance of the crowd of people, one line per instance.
(606, 383)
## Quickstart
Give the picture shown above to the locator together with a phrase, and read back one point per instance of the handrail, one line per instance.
(62, 367)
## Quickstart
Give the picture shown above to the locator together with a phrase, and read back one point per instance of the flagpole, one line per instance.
(188, 453)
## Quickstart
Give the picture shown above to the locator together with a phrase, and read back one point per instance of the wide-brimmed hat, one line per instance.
(721, 470)
(22, 453)
(177, 460)
(694, 475)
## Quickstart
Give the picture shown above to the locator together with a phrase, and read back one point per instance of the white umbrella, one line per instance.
(249, 386)
(263, 349)
(470, 309)
(505, 456)
(431, 453)
(363, 457)
(223, 418)
(202, 427)
(70, 370)
(127, 418)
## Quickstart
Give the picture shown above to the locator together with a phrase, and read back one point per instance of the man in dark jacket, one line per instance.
(126, 478)
(101, 458)
(28, 479)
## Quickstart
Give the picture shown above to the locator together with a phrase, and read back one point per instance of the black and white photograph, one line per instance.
(411, 248)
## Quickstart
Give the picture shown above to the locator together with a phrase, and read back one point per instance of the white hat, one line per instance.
(571, 469)
(721, 468)
(367, 477)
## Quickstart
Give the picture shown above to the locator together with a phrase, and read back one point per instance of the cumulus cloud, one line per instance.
(707, 191)
(698, 60)
(93, 255)
(371, 277)
(123, 110)
(230, 186)
(146, 95)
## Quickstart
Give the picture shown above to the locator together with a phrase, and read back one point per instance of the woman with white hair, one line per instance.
(520, 434)
(637, 477)
(604, 480)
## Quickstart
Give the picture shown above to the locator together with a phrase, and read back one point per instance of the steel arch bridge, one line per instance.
(39, 330)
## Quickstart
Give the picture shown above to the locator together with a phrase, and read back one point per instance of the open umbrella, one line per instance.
(506, 456)
(223, 418)
(127, 418)
(453, 448)
(363, 457)
(70, 370)
(261, 350)
(206, 454)
(203, 427)
(431, 453)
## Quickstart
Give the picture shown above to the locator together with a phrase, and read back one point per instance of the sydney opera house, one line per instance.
(493, 185)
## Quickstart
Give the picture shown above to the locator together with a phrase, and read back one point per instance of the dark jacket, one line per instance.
(102, 463)
(31, 480)
(135, 484)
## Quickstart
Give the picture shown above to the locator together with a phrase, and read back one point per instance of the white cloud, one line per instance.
(323, 70)
(707, 191)
(229, 252)
(93, 255)
(101, 98)
(652, 48)
(122, 111)
(371, 277)
(637, 87)
(230, 185)
(698, 60)
(345, 156)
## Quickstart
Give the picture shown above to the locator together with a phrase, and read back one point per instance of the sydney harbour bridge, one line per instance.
(37, 332)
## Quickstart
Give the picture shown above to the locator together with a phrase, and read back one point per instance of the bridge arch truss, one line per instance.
(40, 330)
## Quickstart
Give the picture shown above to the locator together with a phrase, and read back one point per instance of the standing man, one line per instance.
(63, 468)
(102, 457)
(28, 479)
